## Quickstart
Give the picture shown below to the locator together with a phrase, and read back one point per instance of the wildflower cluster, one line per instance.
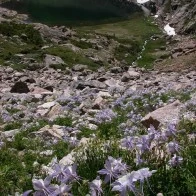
(64, 175)
(154, 140)
(104, 116)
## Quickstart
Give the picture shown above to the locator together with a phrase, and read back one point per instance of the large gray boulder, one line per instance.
(163, 116)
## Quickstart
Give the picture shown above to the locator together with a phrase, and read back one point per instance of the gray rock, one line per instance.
(68, 159)
(133, 74)
(95, 84)
(116, 70)
(111, 82)
(55, 131)
(10, 134)
(163, 116)
(79, 67)
(125, 77)
(53, 60)
(91, 83)
(56, 110)
(9, 70)
(98, 103)
(47, 105)
(18, 74)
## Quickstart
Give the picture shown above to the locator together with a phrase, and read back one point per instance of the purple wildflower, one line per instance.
(173, 147)
(171, 130)
(161, 137)
(43, 187)
(138, 160)
(95, 187)
(105, 116)
(152, 132)
(144, 143)
(113, 168)
(26, 193)
(143, 174)
(65, 173)
(61, 190)
(175, 161)
(125, 184)
(128, 143)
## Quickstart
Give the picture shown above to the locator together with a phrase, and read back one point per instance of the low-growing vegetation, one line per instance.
(120, 155)
(70, 57)
(26, 32)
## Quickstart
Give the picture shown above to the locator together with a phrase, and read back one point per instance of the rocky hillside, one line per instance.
(102, 110)
(181, 14)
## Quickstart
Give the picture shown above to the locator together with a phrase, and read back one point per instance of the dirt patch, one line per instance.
(181, 63)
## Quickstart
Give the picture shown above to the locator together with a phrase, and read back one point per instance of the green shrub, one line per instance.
(71, 58)
(12, 126)
(127, 52)
(25, 31)
(61, 149)
(63, 121)
(82, 44)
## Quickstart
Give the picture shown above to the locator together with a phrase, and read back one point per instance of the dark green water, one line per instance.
(71, 12)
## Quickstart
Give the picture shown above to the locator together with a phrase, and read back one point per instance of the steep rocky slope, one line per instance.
(181, 14)
(55, 111)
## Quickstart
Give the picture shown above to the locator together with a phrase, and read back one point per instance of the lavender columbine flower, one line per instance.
(175, 161)
(66, 173)
(26, 193)
(124, 184)
(128, 143)
(143, 174)
(113, 168)
(173, 147)
(105, 116)
(71, 173)
(43, 187)
(161, 137)
(144, 143)
(171, 130)
(95, 187)
(138, 160)
(152, 132)
(59, 172)
(61, 190)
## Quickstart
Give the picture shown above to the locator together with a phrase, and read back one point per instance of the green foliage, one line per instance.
(12, 110)
(26, 32)
(63, 121)
(17, 169)
(110, 130)
(12, 126)
(58, 66)
(180, 180)
(61, 149)
(91, 158)
(18, 159)
(188, 125)
(137, 26)
(150, 54)
(82, 44)
(70, 57)
(127, 52)
(11, 47)
(85, 132)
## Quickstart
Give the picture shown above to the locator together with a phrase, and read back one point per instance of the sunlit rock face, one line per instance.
(71, 11)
